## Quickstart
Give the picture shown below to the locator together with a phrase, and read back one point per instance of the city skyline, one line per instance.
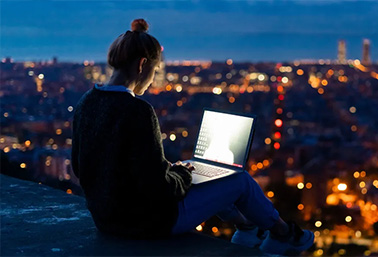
(190, 30)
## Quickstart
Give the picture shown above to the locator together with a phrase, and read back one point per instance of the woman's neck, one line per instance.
(120, 78)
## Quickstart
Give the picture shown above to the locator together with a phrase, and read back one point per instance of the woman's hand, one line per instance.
(188, 165)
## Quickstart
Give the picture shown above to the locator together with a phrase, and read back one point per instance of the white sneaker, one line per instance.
(251, 238)
(298, 241)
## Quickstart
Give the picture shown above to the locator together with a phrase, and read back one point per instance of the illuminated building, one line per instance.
(341, 52)
(366, 52)
(160, 74)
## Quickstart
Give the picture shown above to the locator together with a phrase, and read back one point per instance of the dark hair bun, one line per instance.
(139, 25)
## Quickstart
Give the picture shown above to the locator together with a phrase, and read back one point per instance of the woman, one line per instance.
(130, 187)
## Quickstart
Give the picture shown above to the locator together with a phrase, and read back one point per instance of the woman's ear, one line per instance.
(141, 63)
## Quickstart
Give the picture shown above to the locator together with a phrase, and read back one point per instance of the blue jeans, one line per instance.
(236, 198)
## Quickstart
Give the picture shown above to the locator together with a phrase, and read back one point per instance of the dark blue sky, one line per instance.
(210, 30)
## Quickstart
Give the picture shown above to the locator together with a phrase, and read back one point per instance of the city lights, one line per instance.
(23, 165)
(278, 123)
(342, 186)
(268, 141)
(318, 224)
(172, 137)
(300, 185)
(348, 218)
(199, 228)
(41, 76)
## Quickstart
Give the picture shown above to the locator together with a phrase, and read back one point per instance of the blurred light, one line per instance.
(172, 137)
(268, 141)
(179, 103)
(199, 228)
(6, 114)
(23, 165)
(266, 162)
(2, 140)
(67, 162)
(281, 97)
(357, 62)
(375, 183)
(168, 87)
(342, 186)
(270, 194)
(348, 218)
(273, 78)
(261, 77)
(321, 91)
(300, 207)
(373, 207)
(341, 251)
(6, 149)
(279, 110)
(260, 165)
(231, 99)
(41, 76)
(300, 72)
(367, 253)
(31, 73)
(363, 174)
(185, 78)
(214, 229)
(318, 224)
(217, 90)
(27, 143)
(362, 184)
(278, 123)
(184, 133)
(254, 167)
(285, 80)
(280, 89)
(353, 128)
(58, 131)
(290, 160)
(317, 233)
(70, 108)
(318, 252)
(276, 145)
(54, 146)
(364, 191)
(277, 135)
(324, 82)
(300, 185)
(308, 185)
(352, 109)
(356, 174)
(179, 88)
(67, 177)
(69, 191)
(163, 136)
(358, 233)
(229, 62)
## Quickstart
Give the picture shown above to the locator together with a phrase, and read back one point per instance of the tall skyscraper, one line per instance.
(341, 52)
(366, 52)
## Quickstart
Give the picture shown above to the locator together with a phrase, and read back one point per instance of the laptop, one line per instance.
(223, 144)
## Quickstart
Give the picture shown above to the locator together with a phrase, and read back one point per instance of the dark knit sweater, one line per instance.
(117, 154)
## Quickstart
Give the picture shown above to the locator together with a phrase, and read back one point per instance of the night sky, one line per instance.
(205, 30)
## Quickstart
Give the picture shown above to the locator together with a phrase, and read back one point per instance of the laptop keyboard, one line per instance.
(208, 171)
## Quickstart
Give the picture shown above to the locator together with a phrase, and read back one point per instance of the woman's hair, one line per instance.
(133, 44)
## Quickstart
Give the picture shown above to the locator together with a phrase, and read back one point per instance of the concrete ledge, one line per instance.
(37, 220)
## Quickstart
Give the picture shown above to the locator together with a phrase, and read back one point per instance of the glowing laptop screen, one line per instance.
(223, 138)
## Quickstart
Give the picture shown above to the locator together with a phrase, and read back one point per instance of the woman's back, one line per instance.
(120, 162)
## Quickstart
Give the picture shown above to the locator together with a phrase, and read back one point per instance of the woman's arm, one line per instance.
(149, 155)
